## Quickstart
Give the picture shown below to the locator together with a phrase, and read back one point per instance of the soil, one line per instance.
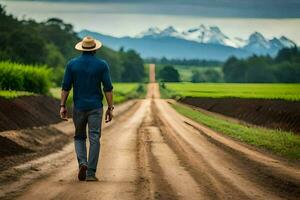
(23, 145)
(275, 114)
(152, 152)
(28, 111)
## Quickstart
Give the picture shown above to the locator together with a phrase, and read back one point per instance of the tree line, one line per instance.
(186, 62)
(284, 68)
(170, 74)
(52, 43)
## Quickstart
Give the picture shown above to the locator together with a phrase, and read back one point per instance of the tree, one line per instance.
(114, 61)
(259, 70)
(189, 62)
(209, 75)
(52, 43)
(212, 75)
(285, 67)
(61, 34)
(234, 70)
(287, 72)
(133, 67)
(169, 74)
(197, 77)
(54, 58)
(286, 54)
(26, 47)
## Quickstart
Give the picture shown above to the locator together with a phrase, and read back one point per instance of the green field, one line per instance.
(122, 92)
(125, 91)
(279, 142)
(289, 92)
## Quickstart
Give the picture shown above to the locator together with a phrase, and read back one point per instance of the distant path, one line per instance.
(152, 152)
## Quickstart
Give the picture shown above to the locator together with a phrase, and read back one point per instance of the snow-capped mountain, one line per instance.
(239, 42)
(201, 43)
(256, 43)
(282, 42)
(212, 35)
(156, 32)
(150, 32)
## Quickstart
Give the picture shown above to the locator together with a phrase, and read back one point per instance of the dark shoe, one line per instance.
(91, 178)
(82, 172)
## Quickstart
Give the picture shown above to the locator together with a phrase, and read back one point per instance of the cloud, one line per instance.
(212, 8)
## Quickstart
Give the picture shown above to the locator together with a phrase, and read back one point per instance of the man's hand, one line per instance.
(108, 115)
(63, 113)
(63, 110)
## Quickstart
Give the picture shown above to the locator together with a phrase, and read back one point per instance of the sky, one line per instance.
(213, 8)
(236, 18)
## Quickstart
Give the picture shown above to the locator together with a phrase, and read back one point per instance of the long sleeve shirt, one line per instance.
(87, 75)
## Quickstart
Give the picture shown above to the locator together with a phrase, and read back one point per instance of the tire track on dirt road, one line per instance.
(18, 179)
(117, 169)
(166, 178)
(152, 152)
(226, 173)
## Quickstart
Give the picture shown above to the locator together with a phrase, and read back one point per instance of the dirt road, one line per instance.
(152, 152)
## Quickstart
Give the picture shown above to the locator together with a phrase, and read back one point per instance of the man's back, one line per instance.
(85, 74)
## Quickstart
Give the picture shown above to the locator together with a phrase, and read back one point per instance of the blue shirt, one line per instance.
(87, 74)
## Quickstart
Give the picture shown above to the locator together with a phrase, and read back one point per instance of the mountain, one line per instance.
(156, 32)
(168, 46)
(211, 35)
(258, 44)
(201, 42)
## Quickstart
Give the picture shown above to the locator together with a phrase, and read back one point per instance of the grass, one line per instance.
(289, 92)
(282, 143)
(122, 92)
(126, 91)
(11, 94)
(56, 92)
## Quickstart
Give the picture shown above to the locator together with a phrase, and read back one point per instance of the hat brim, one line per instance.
(78, 46)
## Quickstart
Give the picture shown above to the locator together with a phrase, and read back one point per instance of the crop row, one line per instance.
(20, 77)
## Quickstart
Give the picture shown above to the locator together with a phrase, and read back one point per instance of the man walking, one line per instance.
(87, 74)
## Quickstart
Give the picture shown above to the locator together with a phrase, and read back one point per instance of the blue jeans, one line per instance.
(93, 119)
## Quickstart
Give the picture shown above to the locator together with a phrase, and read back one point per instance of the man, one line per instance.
(86, 74)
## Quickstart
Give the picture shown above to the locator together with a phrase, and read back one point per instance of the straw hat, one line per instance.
(88, 44)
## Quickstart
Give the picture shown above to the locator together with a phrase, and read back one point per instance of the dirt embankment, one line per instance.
(24, 129)
(23, 145)
(275, 114)
(27, 112)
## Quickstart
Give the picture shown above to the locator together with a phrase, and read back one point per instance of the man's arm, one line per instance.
(108, 92)
(110, 106)
(63, 108)
(109, 98)
(66, 87)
